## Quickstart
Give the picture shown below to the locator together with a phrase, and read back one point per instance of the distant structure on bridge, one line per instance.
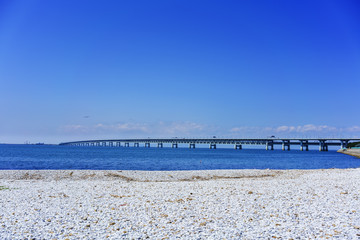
(269, 143)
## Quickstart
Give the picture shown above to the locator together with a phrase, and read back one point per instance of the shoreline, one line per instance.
(351, 152)
(208, 204)
(142, 176)
(158, 176)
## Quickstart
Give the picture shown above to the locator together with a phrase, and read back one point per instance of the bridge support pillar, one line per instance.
(104, 144)
(98, 144)
(127, 144)
(174, 145)
(147, 145)
(160, 145)
(323, 146)
(118, 144)
(136, 144)
(286, 143)
(212, 146)
(306, 147)
(304, 143)
(192, 145)
(238, 146)
(269, 144)
(344, 143)
(111, 144)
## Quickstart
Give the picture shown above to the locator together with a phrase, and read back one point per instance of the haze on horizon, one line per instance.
(75, 70)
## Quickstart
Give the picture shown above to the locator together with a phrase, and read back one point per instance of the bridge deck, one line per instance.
(323, 143)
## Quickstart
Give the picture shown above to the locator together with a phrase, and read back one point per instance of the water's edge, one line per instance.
(351, 152)
(159, 176)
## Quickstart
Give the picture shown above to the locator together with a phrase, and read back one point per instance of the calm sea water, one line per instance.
(106, 158)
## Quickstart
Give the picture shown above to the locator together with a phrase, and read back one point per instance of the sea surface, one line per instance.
(31, 157)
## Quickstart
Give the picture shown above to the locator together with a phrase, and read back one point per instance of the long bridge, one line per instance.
(269, 143)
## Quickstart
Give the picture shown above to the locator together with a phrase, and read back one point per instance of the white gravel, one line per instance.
(230, 204)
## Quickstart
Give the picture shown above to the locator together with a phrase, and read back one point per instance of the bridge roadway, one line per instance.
(269, 143)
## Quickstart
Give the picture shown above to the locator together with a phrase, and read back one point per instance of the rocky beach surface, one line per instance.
(216, 204)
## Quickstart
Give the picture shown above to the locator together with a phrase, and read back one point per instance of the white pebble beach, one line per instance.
(215, 204)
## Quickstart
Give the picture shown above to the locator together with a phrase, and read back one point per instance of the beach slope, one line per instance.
(230, 204)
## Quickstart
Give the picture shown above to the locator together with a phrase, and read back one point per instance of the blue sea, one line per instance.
(31, 157)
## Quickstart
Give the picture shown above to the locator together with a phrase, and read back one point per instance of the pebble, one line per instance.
(217, 204)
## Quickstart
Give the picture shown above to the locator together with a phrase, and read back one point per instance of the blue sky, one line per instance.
(73, 70)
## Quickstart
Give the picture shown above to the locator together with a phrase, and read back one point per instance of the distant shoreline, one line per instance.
(351, 152)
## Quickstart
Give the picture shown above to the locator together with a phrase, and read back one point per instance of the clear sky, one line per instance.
(76, 70)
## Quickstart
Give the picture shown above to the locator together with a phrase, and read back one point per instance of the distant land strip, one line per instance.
(352, 151)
